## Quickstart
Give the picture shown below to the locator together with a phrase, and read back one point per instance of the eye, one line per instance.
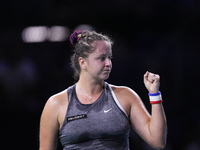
(102, 58)
(110, 57)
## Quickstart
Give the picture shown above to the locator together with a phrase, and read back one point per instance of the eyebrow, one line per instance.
(104, 55)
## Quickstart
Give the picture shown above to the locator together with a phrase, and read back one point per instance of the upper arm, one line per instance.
(136, 110)
(151, 128)
(139, 116)
(49, 125)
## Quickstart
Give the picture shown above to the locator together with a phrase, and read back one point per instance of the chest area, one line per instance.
(100, 120)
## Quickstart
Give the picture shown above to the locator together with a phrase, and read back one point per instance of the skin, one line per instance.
(94, 70)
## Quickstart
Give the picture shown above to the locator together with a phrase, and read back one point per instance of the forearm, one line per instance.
(158, 126)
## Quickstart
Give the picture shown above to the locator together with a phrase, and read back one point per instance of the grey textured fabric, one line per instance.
(101, 125)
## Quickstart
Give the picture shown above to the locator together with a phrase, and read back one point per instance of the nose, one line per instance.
(108, 62)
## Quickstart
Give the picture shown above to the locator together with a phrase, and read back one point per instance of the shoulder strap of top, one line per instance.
(117, 101)
(69, 91)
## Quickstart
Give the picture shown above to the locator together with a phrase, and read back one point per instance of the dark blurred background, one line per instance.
(158, 36)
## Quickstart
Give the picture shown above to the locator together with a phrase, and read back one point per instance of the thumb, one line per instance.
(146, 76)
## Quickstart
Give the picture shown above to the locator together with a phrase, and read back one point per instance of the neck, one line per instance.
(89, 87)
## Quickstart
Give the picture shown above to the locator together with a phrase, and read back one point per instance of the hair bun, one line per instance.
(74, 36)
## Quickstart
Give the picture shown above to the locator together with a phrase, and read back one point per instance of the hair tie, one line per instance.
(79, 36)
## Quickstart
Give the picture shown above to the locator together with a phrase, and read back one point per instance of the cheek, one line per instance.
(95, 67)
(98, 67)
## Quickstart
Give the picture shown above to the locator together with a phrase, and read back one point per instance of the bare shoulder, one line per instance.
(125, 92)
(59, 98)
(50, 120)
(127, 97)
(57, 101)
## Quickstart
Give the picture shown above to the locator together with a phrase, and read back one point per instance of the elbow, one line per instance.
(159, 145)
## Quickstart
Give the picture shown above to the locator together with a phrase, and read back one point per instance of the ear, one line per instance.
(82, 63)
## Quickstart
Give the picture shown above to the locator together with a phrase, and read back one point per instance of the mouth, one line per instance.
(108, 70)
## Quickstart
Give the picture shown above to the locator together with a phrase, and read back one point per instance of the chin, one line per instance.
(105, 77)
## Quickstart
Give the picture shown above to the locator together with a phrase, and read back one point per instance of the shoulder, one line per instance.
(127, 97)
(124, 91)
(50, 120)
(56, 101)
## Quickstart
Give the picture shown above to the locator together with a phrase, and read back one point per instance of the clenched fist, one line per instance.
(152, 82)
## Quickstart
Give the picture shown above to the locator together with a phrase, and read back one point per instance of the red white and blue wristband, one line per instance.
(155, 98)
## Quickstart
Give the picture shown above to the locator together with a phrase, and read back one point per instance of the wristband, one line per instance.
(155, 98)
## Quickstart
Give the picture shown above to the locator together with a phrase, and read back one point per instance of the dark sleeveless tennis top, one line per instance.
(102, 125)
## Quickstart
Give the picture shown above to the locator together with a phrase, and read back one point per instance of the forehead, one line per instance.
(102, 47)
